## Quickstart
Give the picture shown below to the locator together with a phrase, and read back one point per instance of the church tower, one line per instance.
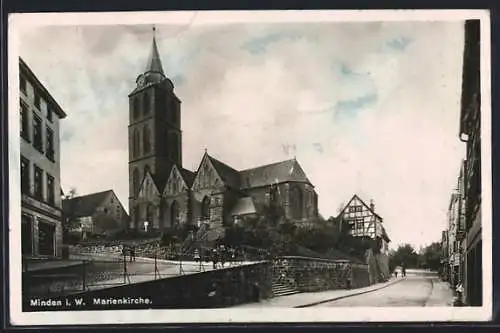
(154, 132)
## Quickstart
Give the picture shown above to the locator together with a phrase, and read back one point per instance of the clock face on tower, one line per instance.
(141, 81)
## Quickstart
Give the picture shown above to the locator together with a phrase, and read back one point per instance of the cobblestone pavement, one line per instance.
(412, 291)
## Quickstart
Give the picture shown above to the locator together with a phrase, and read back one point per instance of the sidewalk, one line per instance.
(441, 294)
(303, 300)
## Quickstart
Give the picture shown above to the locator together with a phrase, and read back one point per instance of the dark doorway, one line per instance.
(46, 238)
(27, 234)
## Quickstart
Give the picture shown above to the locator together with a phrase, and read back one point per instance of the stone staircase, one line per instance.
(281, 289)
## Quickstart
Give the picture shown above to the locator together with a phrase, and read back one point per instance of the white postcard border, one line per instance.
(228, 315)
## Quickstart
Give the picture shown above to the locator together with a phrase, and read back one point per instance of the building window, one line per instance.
(37, 100)
(24, 121)
(147, 170)
(135, 181)
(105, 210)
(149, 213)
(50, 144)
(174, 148)
(25, 175)
(37, 133)
(146, 140)
(296, 203)
(360, 225)
(135, 143)
(50, 190)
(22, 84)
(38, 183)
(46, 240)
(173, 112)
(27, 234)
(205, 208)
(145, 103)
(273, 195)
(174, 185)
(135, 108)
(174, 214)
(118, 212)
(137, 216)
(50, 114)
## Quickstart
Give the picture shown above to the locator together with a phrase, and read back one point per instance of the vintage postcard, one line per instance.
(274, 166)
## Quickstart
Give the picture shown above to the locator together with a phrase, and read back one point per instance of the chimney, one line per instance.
(372, 205)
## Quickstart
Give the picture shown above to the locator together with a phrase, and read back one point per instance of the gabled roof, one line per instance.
(229, 175)
(188, 176)
(355, 196)
(155, 178)
(84, 205)
(284, 171)
(384, 235)
(159, 180)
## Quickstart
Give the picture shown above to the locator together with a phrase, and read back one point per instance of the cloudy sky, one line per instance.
(367, 108)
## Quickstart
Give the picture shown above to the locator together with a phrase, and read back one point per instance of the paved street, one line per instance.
(412, 291)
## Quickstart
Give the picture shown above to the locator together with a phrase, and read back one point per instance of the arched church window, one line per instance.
(205, 208)
(135, 108)
(137, 215)
(175, 147)
(174, 213)
(146, 140)
(149, 213)
(145, 103)
(175, 185)
(135, 143)
(273, 195)
(147, 170)
(173, 112)
(296, 199)
(135, 181)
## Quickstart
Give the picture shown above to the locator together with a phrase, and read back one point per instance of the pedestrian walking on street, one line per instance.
(459, 290)
(132, 253)
(396, 273)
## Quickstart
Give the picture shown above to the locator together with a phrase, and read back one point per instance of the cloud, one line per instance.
(245, 96)
(399, 44)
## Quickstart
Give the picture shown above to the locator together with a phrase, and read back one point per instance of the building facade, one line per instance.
(41, 207)
(163, 194)
(453, 243)
(99, 213)
(364, 222)
(470, 133)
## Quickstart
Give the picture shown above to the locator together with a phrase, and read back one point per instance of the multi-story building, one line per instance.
(453, 243)
(470, 133)
(363, 221)
(162, 193)
(445, 267)
(41, 231)
(98, 213)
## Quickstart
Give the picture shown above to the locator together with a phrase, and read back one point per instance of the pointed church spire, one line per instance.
(154, 63)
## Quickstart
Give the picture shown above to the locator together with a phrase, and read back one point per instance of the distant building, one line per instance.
(445, 266)
(97, 214)
(470, 132)
(364, 222)
(162, 193)
(452, 241)
(41, 230)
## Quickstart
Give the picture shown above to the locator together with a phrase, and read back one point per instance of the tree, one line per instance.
(404, 255)
(69, 220)
(430, 256)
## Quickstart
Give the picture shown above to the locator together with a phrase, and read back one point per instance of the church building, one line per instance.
(162, 193)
